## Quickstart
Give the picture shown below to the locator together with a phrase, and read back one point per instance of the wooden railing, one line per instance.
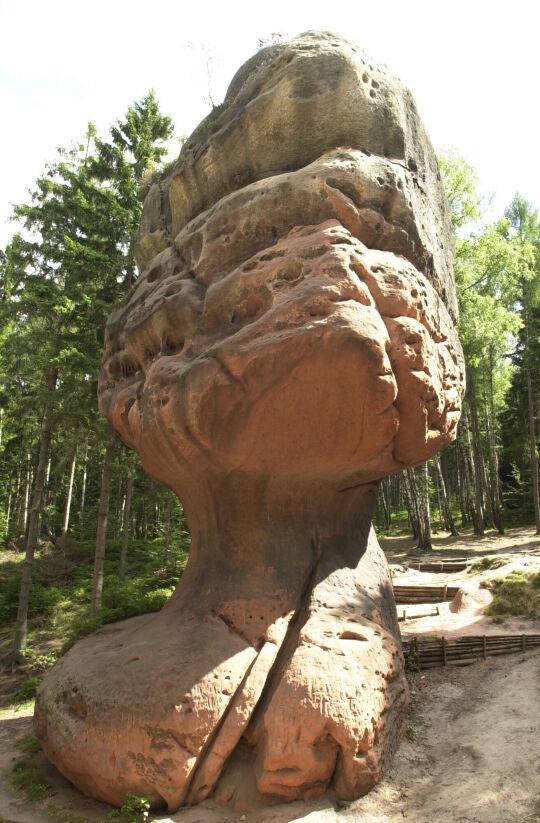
(429, 653)
(424, 594)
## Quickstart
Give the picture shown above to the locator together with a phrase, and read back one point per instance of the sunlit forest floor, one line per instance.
(473, 738)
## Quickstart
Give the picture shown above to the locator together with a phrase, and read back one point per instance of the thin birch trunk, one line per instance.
(103, 516)
(27, 492)
(424, 470)
(69, 492)
(125, 523)
(168, 527)
(83, 489)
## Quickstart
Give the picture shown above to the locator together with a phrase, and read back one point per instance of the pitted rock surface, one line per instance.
(289, 343)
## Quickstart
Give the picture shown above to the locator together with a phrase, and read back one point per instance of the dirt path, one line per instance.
(474, 759)
(517, 550)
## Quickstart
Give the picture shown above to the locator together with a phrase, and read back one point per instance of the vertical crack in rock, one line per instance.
(290, 640)
(211, 741)
(251, 695)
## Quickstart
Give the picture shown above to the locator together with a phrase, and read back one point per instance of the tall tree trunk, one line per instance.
(8, 512)
(83, 489)
(17, 505)
(424, 473)
(532, 450)
(69, 491)
(103, 516)
(478, 454)
(120, 500)
(530, 403)
(477, 511)
(495, 485)
(27, 491)
(125, 523)
(168, 527)
(415, 511)
(385, 503)
(21, 623)
(448, 517)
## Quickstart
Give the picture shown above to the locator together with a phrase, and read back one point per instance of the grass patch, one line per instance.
(64, 815)
(485, 563)
(27, 690)
(412, 731)
(26, 779)
(28, 744)
(516, 594)
(135, 810)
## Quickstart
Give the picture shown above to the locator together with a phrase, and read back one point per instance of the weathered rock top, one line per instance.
(287, 107)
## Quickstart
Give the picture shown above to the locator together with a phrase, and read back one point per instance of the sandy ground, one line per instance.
(518, 549)
(473, 750)
(474, 759)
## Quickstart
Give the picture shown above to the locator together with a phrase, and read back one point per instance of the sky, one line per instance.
(473, 68)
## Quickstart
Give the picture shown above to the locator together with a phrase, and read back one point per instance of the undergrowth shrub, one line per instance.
(27, 690)
(26, 778)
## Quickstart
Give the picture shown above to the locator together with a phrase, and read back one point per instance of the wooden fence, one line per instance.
(455, 565)
(429, 653)
(424, 594)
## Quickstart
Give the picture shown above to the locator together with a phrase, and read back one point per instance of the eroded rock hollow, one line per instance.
(289, 342)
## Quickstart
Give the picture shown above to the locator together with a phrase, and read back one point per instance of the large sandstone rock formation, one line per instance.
(289, 342)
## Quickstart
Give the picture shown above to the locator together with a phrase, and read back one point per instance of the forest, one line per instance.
(89, 537)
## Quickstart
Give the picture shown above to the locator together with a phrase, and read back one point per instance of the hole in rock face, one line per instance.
(348, 634)
(171, 345)
(153, 275)
(292, 270)
(372, 93)
(271, 255)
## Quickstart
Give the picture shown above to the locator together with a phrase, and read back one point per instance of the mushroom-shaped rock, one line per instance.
(289, 343)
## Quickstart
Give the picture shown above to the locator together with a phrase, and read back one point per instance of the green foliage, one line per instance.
(412, 731)
(29, 744)
(26, 778)
(64, 815)
(134, 810)
(516, 594)
(411, 659)
(64, 584)
(461, 188)
(27, 690)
